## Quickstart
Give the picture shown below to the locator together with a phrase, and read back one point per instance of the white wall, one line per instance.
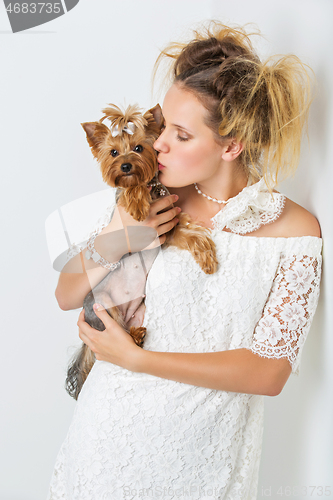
(60, 74)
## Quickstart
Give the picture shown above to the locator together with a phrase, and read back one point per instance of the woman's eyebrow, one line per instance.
(177, 126)
(181, 128)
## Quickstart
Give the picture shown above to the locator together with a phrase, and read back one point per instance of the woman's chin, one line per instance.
(167, 182)
(163, 179)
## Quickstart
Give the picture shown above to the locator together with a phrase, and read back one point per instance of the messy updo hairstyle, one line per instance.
(262, 105)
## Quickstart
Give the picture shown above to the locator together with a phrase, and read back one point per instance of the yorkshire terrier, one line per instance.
(128, 161)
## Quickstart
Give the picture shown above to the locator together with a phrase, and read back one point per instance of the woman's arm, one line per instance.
(237, 370)
(263, 368)
(73, 285)
(112, 243)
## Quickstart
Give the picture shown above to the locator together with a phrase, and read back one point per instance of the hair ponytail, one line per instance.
(267, 111)
(262, 105)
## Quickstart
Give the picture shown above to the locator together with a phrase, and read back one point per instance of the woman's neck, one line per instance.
(226, 185)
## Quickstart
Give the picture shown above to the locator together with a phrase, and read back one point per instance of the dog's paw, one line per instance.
(138, 335)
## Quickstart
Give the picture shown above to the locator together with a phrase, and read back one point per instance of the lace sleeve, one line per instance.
(289, 310)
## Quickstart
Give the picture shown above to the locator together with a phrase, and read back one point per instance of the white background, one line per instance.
(62, 73)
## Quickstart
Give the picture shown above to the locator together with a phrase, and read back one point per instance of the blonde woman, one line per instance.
(183, 417)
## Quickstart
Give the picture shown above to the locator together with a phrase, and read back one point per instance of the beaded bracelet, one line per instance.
(91, 253)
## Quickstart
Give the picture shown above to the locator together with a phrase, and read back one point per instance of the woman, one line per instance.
(183, 417)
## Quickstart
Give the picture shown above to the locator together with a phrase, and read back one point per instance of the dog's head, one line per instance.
(124, 149)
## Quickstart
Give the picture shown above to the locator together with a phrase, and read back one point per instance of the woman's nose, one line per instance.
(160, 144)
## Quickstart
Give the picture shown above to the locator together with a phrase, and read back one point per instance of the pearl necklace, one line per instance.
(209, 197)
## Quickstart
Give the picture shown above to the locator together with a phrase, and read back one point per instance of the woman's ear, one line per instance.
(232, 150)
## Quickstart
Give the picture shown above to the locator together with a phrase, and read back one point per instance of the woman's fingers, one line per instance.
(166, 221)
(165, 228)
(164, 217)
(81, 320)
(103, 315)
(153, 218)
(89, 335)
(86, 332)
(161, 218)
(113, 344)
(164, 202)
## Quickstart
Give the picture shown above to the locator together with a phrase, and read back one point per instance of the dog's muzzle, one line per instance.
(126, 167)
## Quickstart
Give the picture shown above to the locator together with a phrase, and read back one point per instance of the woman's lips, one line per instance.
(160, 166)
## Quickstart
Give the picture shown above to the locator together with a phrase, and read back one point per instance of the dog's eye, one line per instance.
(114, 153)
(138, 148)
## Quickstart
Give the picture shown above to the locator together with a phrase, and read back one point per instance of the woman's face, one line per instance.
(187, 149)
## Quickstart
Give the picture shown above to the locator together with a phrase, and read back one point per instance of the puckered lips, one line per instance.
(160, 166)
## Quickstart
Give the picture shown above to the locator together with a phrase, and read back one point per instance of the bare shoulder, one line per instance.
(295, 221)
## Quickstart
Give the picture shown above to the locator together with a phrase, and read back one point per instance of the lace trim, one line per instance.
(253, 207)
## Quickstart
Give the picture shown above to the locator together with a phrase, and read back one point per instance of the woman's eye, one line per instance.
(181, 138)
(114, 153)
(138, 148)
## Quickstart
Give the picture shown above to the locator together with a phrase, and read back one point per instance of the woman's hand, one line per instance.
(124, 234)
(162, 223)
(113, 344)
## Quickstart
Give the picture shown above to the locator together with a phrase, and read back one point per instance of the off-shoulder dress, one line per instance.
(136, 436)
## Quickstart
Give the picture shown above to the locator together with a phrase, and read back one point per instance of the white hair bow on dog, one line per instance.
(129, 129)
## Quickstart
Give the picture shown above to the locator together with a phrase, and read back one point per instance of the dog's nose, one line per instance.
(126, 167)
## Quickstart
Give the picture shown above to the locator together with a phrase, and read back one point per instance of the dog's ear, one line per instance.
(96, 133)
(156, 111)
(155, 119)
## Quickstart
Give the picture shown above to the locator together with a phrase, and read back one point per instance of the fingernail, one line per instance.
(175, 197)
(97, 307)
(179, 209)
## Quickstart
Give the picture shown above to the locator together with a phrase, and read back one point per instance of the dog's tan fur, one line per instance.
(136, 189)
(135, 195)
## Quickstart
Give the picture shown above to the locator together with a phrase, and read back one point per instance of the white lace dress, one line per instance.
(136, 436)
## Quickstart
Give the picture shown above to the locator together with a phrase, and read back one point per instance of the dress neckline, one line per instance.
(251, 208)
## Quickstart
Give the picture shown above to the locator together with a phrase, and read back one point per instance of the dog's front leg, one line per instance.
(189, 236)
(136, 201)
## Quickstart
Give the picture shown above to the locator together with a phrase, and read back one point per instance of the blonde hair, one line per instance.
(262, 105)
